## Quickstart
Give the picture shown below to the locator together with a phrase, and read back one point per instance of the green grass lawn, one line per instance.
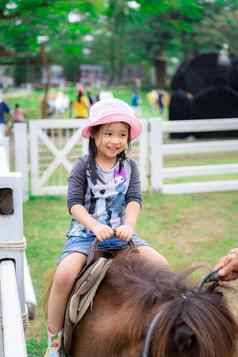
(187, 229)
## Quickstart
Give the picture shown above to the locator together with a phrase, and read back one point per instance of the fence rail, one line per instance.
(186, 126)
(201, 147)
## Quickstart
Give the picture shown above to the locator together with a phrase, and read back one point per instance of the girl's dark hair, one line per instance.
(92, 149)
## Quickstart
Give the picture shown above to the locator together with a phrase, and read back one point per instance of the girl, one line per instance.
(103, 196)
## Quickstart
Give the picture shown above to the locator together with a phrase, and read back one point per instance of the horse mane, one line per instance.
(192, 322)
(139, 282)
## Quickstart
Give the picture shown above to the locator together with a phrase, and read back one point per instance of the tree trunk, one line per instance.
(45, 67)
(160, 72)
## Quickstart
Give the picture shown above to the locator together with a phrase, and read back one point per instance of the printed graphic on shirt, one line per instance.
(105, 201)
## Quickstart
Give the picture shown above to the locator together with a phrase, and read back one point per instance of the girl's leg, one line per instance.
(63, 280)
(153, 256)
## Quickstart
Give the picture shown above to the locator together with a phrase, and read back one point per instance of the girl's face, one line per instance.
(111, 140)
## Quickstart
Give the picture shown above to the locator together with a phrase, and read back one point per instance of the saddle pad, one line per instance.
(82, 296)
(86, 288)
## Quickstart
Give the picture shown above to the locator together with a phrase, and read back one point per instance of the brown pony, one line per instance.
(188, 322)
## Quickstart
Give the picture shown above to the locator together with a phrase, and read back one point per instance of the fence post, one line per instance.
(156, 154)
(34, 156)
(21, 155)
(13, 329)
(143, 161)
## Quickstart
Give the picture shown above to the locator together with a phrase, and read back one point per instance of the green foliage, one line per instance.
(218, 28)
(124, 32)
(21, 25)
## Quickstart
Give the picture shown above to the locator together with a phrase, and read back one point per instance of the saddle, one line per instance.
(84, 290)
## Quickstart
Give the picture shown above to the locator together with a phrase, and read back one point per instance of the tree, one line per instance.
(219, 26)
(152, 31)
(22, 23)
(145, 31)
(124, 31)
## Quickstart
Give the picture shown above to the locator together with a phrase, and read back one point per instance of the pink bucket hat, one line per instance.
(110, 111)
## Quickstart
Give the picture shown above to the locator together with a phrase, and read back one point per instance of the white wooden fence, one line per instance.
(159, 150)
(56, 144)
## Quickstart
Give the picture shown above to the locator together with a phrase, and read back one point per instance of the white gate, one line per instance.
(56, 144)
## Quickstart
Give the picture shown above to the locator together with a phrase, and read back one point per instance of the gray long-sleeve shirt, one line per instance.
(105, 201)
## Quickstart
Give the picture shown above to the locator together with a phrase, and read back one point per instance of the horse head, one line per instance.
(195, 324)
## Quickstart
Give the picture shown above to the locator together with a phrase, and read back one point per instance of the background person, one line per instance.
(4, 109)
(81, 105)
(135, 101)
(160, 101)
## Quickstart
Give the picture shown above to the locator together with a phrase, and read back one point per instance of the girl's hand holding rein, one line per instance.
(124, 232)
(102, 231)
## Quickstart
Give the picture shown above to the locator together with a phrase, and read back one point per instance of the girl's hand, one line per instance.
(229, 266)
(124, 232)
(102, 231)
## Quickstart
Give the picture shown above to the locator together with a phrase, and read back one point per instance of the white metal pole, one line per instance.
(30, 296)
(1, 332)
(13, 330)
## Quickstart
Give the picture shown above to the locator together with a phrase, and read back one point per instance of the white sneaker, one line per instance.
(52, 352)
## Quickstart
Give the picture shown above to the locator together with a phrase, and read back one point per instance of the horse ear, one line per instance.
(183, 337)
